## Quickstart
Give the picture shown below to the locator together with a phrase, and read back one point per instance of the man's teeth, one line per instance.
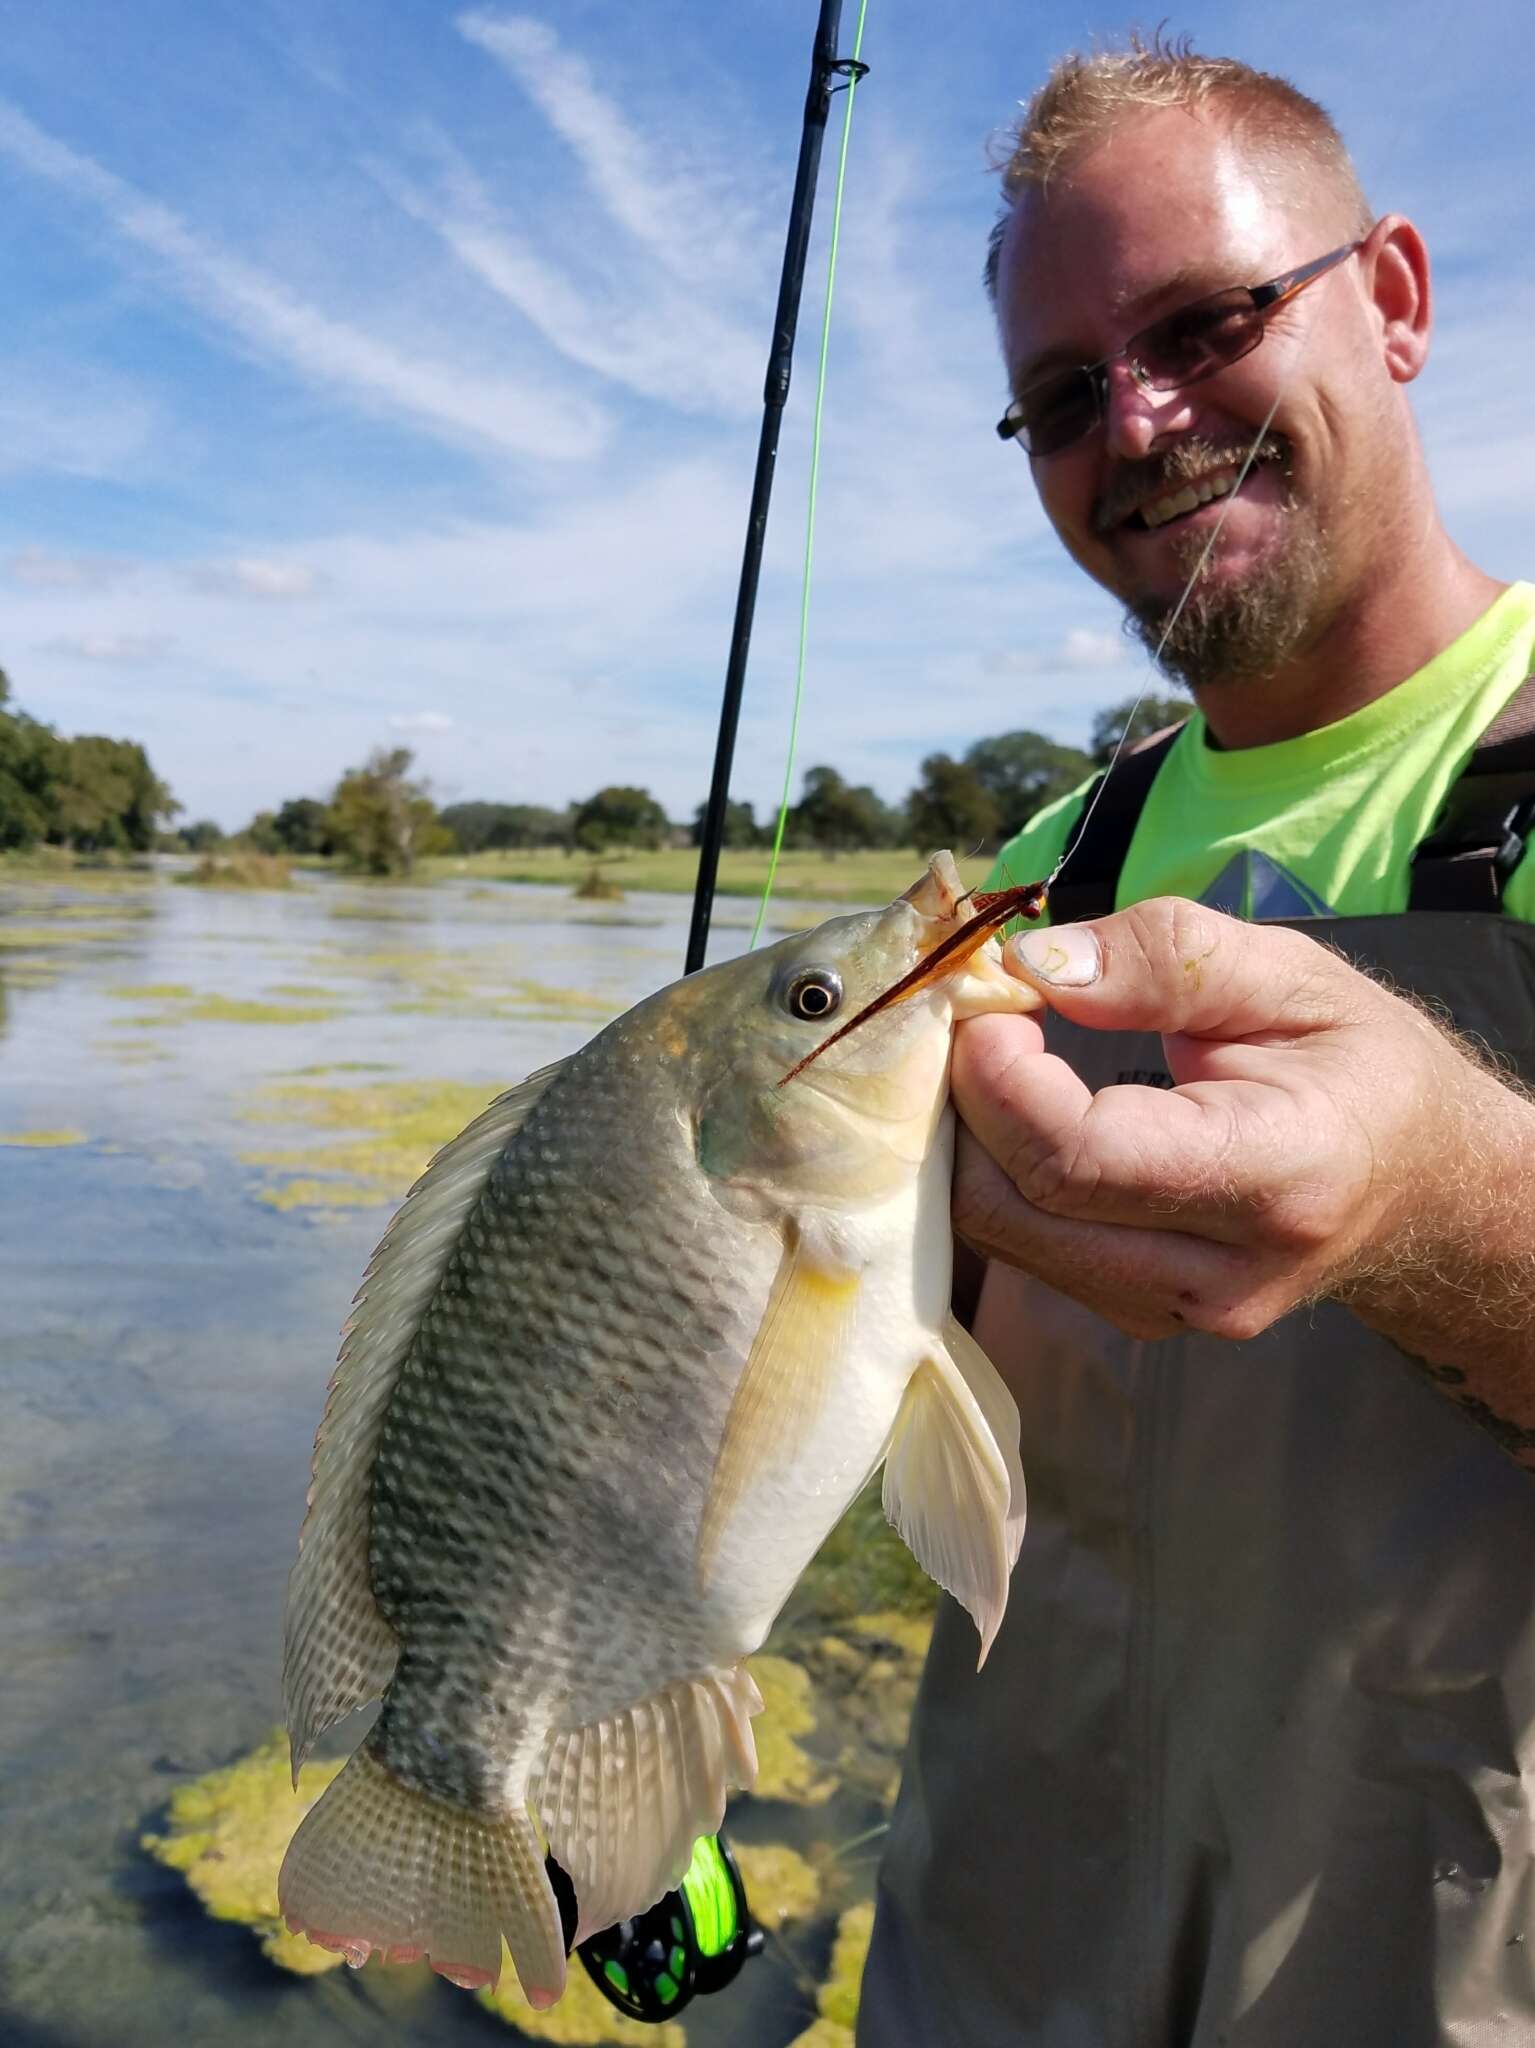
(1189, 499)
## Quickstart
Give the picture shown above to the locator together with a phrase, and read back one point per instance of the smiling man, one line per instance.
(1251, 1762)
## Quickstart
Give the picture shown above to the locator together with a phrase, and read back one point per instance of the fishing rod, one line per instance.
(826, 66)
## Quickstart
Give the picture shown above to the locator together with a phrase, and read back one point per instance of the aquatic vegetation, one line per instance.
(583, 2018)
(323, 1194)
(45, 1139)
(27, 938)
(247, 870)
(232, 1010)
(339, 1067)
(301, 989)
(784, 1769)
(780, 1884)
(596, 887)
(377, 913)
(151, 991)
(838, 1996)
(400, 1125)
(226, 1834)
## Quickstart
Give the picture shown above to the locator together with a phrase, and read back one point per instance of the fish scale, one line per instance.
(624, 1356)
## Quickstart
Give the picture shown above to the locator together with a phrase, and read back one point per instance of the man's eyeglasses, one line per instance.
(1180, 348)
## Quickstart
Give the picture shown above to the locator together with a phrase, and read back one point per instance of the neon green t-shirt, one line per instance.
(1324, 824)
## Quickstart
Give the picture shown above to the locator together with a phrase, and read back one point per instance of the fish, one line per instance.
(628, 1350)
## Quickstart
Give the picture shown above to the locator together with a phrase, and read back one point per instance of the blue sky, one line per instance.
(381, 371)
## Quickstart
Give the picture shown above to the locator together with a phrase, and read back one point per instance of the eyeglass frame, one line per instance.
(1265, 298)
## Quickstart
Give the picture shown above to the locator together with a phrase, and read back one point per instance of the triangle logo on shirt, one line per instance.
(1251, 885)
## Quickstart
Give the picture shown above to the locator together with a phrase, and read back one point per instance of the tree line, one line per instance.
(379, 819)
(101, 795)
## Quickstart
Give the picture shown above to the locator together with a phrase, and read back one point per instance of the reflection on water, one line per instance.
(169, 1325)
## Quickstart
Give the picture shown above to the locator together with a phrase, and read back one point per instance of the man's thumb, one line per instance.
(1169, 965)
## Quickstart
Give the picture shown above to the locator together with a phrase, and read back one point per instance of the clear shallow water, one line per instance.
(165, 1340)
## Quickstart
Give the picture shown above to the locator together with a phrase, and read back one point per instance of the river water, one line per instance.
(173, 1284)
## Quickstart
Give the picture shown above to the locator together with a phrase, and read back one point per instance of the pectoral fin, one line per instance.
(799, 1346)
(950, 1483)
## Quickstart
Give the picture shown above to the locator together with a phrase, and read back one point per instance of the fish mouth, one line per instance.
(955, 951)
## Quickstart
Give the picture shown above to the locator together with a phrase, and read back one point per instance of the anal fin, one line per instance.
(624, 1799)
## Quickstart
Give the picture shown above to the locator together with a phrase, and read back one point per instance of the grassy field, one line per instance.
(822, 878)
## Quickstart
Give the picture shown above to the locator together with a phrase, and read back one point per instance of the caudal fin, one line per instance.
(375, 1865)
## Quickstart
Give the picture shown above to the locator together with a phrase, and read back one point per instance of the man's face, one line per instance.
(1166, 211)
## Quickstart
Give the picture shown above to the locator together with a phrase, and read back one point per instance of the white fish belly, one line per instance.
(905, 1250)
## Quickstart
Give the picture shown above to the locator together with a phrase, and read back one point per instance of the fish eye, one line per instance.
(814, 993)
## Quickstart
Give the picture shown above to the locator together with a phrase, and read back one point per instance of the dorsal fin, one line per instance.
(338, 1650)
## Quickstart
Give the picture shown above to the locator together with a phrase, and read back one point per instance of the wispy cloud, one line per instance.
(421, 722)
(115, 647)
(258, 576)
(41, 569)
(644, 332)
(72, 419)
(523, 417)
(651, 203)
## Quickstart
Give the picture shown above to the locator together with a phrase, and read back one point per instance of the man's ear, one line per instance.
(1396, 277)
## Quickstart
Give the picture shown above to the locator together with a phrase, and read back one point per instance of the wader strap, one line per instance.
(1095, 855)
(1479, 837)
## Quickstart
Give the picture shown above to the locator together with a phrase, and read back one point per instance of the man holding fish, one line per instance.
(1250, 1761)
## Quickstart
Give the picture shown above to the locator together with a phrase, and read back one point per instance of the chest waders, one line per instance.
(1252, 1762)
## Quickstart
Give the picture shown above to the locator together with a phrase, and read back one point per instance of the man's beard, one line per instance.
(1236, 632)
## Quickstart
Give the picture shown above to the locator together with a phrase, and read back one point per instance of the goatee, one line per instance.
(1237, 632)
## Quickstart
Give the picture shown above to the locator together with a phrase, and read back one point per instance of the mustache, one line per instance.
(1132, 483)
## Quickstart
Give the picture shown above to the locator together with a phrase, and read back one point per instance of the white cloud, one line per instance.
(521, 416)
(421, 721)
(42, 569)
(115, 647)
(656, 207)
(259, 576)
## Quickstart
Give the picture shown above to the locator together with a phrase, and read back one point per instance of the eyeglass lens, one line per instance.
(1194, 342)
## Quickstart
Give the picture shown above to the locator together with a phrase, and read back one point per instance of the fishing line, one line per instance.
(1177, 612)
(815, 473)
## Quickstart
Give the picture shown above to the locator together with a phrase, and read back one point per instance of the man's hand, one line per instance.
(1323, 1136)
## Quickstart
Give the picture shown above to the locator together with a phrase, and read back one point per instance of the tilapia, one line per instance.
(628, 1350)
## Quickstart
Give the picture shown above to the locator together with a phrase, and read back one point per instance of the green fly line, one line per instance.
(815, 473)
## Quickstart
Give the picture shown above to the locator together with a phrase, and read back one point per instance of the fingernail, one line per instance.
(1065, 955)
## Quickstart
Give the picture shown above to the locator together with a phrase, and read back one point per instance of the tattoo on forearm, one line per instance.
(1511, 1436)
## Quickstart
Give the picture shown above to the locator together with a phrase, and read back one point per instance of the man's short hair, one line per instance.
(1085, 97)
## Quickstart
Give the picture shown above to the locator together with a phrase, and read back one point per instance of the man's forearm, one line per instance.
(1457, 1295)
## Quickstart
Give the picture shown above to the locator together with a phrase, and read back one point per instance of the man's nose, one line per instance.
(1135, 417)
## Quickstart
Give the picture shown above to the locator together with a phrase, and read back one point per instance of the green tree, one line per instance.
(301, 825)
(740, 825)
(619, 815)
(479, 827)
(201, 836)
(1023, 771)
(379, 820)
(835, 817)
(32, 761)
(1143, 715)
(109, 799)
(952, 807)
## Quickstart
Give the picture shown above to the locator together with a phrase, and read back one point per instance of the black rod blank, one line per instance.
(825, 65)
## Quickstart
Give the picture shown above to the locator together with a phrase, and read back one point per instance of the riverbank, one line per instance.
(807, 876)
